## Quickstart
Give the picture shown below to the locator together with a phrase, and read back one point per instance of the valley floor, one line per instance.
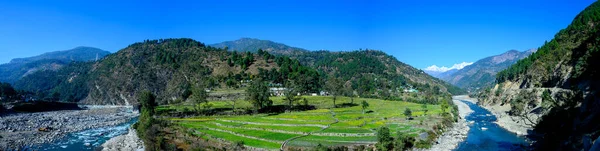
(23, 129)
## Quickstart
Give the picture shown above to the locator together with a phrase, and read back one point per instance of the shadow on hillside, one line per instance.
(344, 105)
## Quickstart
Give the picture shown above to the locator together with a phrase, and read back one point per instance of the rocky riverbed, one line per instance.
(127, 142)
(513, 124)
(29, 129)
(451, 138)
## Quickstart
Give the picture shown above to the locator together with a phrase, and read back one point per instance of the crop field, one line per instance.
(324, 125)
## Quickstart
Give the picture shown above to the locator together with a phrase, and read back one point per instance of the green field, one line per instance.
(325, 125)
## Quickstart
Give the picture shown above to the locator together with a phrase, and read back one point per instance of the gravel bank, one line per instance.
(127, 142)
(451, 138)
(22, 129)
(510, 123)
(504, 120)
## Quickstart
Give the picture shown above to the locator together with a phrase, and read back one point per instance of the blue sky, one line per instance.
(420, 33)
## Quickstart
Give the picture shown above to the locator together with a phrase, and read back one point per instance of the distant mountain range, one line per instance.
(482, 73)
(253, 44)
(441, 72)
(20, 67)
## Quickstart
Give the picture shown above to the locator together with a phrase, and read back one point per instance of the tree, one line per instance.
(424, 106)
(199, 96)
(364, 105)
(146, 128)
(408, 113)
(147, 102)
(444, 106)
(258, 94)
(384, 139)
(403, 141)
(333, 86)
(291, 94)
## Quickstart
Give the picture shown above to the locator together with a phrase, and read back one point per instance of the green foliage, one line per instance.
(444, 104)
(7, 91)
(199, 96)
(68, 84)
(582, 29)
(144, 128)
(364, 106)
(403, 141)
(334, 88)
(258, 94)
(291, 94)
(385, 142)
(407, 112)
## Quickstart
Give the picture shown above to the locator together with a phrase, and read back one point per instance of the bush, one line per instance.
(384, 139)
(403, 141)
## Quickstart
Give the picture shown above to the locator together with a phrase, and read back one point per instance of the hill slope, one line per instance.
(369, 70)
(169, 68)
(482, 73)
(252, 45)
(20, 67)
(559, 83)
(360, 68)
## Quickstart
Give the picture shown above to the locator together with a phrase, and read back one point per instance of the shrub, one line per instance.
(403, 141)
(384, 139)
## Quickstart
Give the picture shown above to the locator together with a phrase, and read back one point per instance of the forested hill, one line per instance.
(374, 71)
(20, 67)
(560, 83)
(170, 68)
(368, 72)
(252, 45)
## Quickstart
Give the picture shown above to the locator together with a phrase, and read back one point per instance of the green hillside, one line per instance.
(559, 84)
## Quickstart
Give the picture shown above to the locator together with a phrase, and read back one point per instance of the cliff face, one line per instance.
(555, 89)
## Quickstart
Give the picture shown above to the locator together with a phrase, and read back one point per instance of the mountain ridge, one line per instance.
(18, 68)
(482, 72)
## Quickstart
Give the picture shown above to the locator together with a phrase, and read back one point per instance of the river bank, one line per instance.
(126, 142)
(458, 133)
(510, 123)
(20, 130)
(486, 134)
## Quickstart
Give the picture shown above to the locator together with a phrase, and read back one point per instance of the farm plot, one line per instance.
(325, 125)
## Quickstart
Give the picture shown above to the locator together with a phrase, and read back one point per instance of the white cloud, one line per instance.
(444, 68)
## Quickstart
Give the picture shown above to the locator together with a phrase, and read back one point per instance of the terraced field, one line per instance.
(337, 126)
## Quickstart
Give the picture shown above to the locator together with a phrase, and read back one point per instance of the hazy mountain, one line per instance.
(252, 45)
(483, 72)
(555, 90)
(20, 67)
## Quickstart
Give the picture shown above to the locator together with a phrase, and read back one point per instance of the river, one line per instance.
(87, 140)
(484, 134)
